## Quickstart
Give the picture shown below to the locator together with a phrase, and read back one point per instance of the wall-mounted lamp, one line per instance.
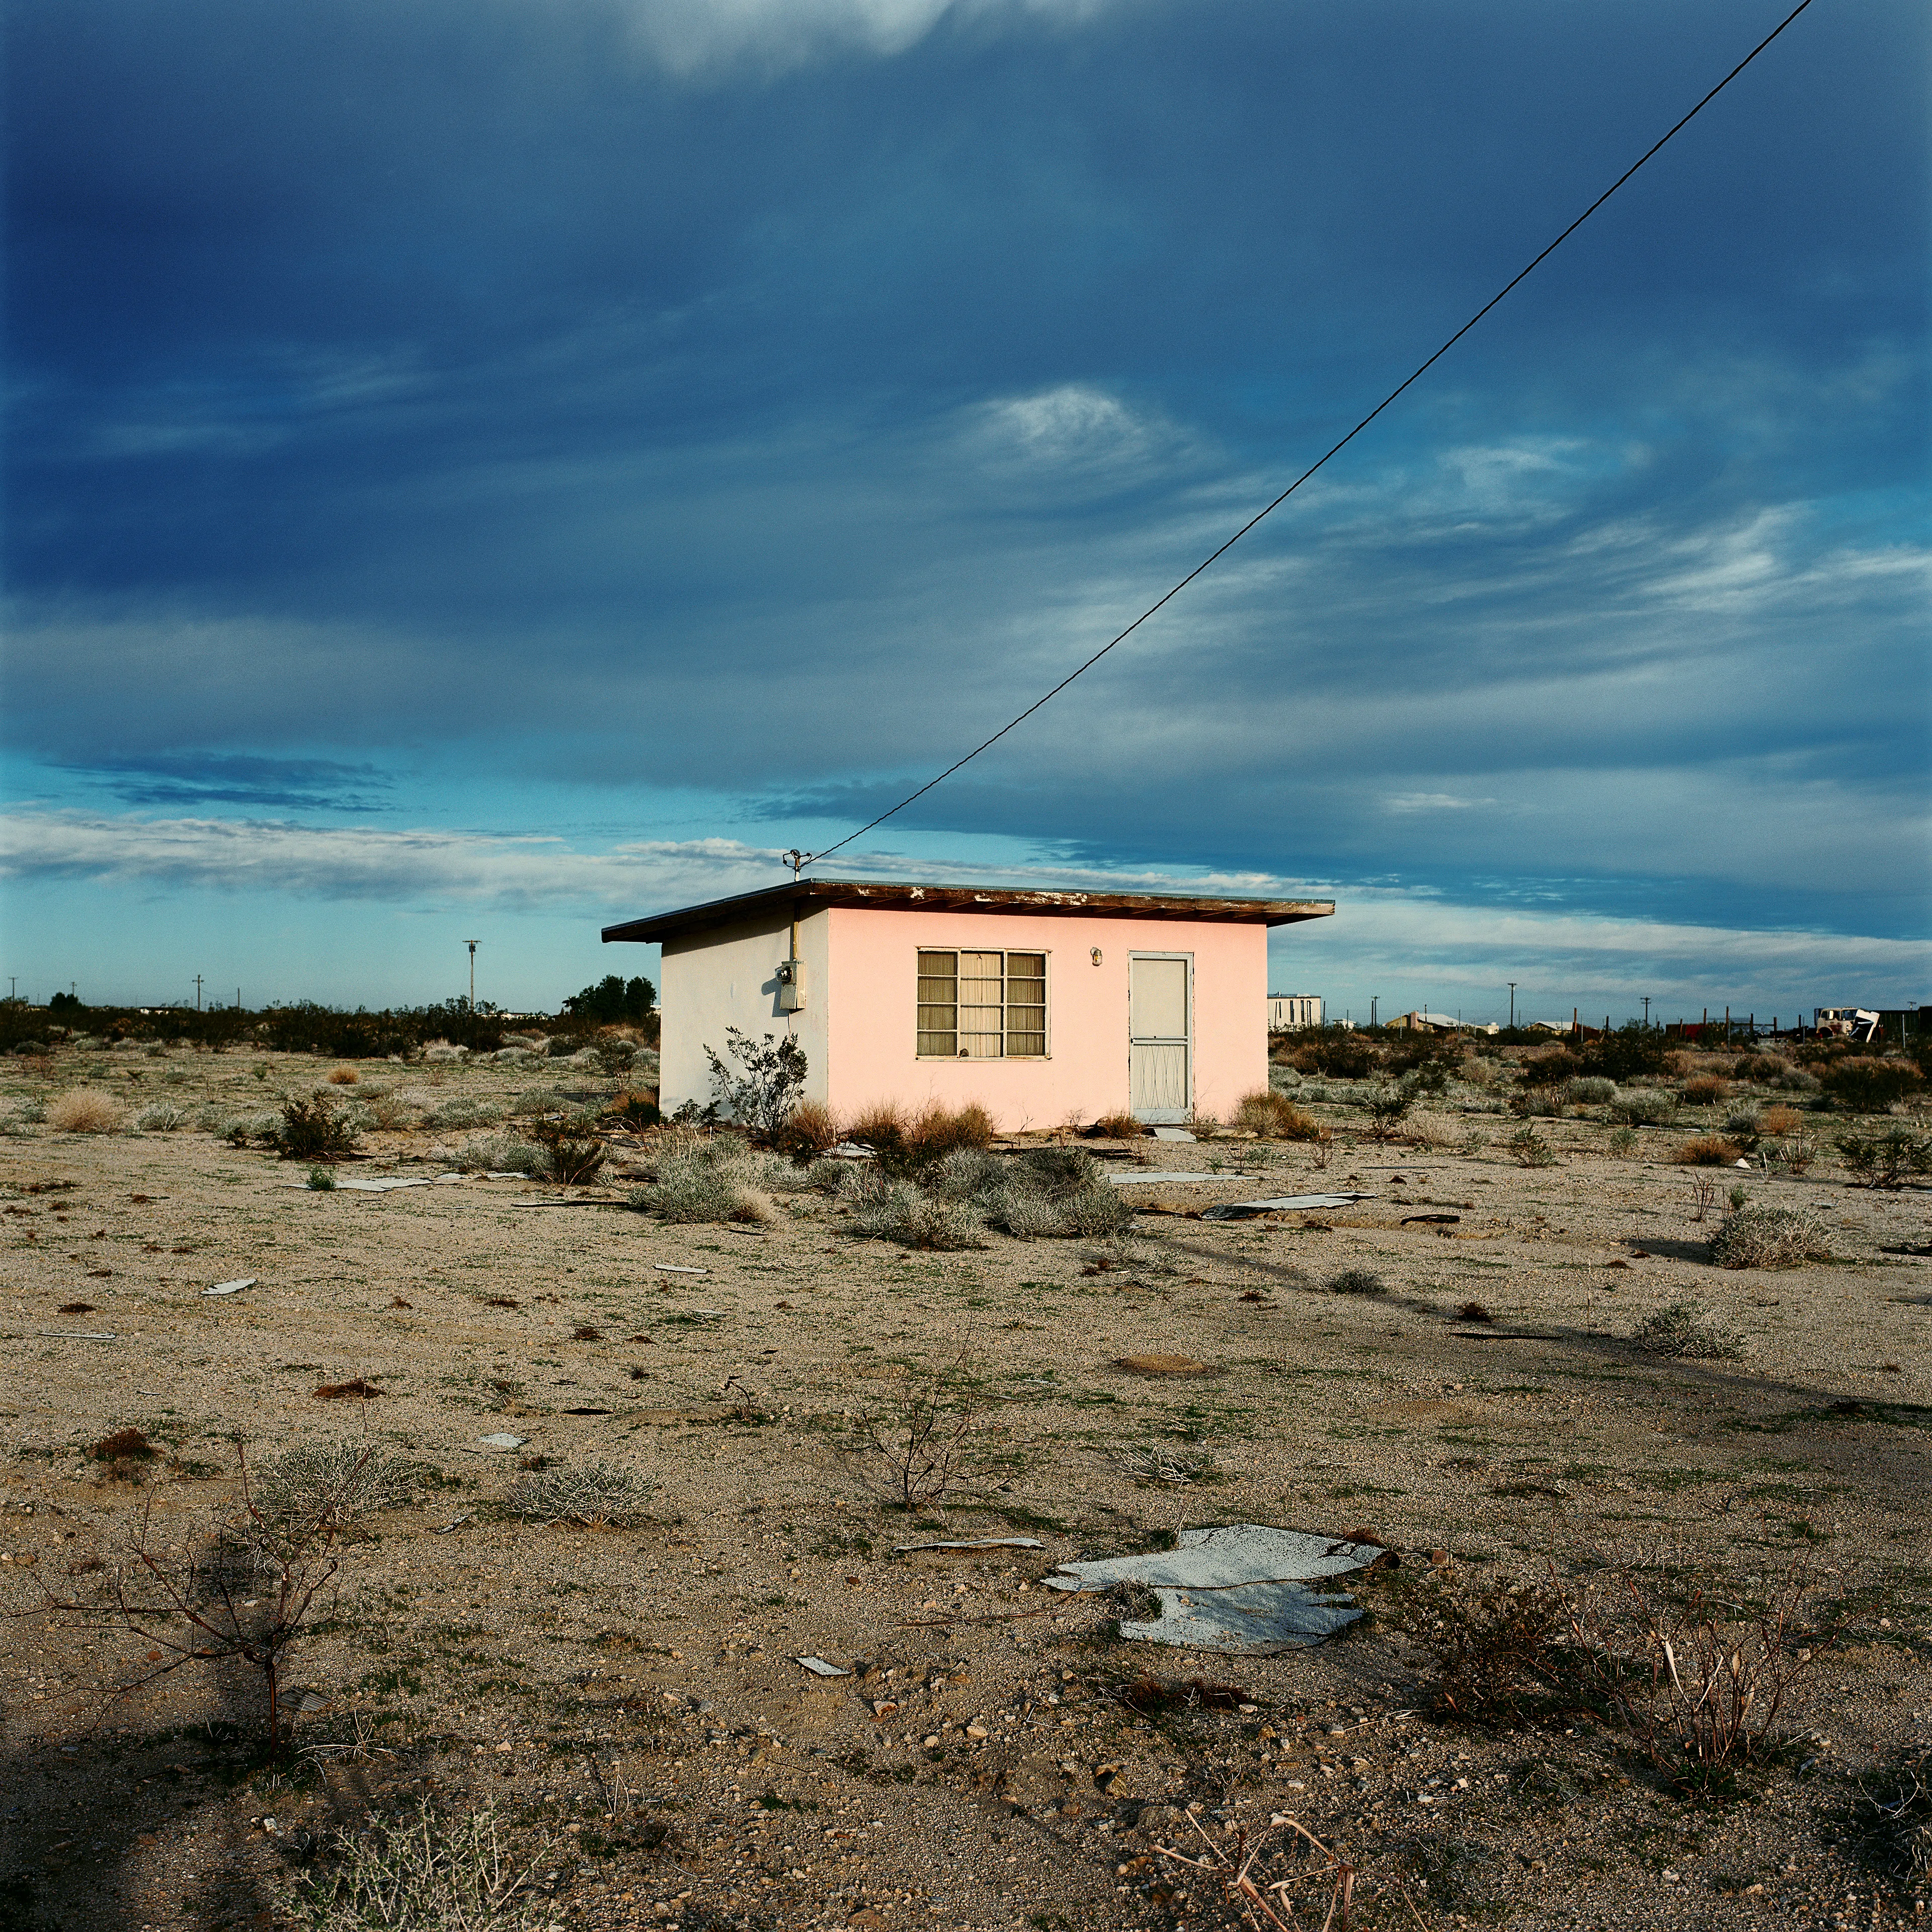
(1096, 955)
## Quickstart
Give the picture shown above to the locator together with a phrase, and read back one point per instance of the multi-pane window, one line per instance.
(982, 1006)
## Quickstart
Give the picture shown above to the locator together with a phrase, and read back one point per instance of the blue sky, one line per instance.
(485, 470)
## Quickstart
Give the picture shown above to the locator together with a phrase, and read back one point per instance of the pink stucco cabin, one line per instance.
(1042, 1007)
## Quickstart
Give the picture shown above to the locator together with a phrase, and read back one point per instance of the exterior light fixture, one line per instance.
(1096, 955)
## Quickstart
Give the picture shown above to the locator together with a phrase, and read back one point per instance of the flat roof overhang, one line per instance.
(807, 895)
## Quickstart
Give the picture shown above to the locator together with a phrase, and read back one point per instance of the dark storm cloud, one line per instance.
(295, 784)
(778, 415)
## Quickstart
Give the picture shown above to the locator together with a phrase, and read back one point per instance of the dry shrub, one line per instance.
(1682, 1329)
(879, 1125)
(1708, 1151)
(1705, 1089)
(809, 1130)
(354, 1390)
(1119, 1127)
(597, 1495)
(124, 1445)
(1780, 1119)
(342, 1076)
(1275, 1116)
(1770, 1237)
(940, 1131)
(86, 1110)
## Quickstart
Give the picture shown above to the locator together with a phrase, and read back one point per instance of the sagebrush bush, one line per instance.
(720, 1180)
(1868, 1086)
(499, 1154)
(1885, 1159)
(1642, 1106)
(1275, 1116)
(1770, 1237)
(311, 1130)
(462, 1111)
(1590, 1090)
(163, 1118)
(1054, 1193)
(1705, 1089)
(1708, 1151)
(86, 1110)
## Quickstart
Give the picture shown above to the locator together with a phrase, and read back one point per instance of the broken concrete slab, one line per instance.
(1242, 1587)
(1172, 1134)
(1280, 1204)
(230, 1287)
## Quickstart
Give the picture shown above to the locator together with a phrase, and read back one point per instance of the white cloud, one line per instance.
(1432, 801)
(690, 36)
(1412, 946)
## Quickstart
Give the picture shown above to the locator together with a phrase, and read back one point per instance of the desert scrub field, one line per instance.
(585, 1468)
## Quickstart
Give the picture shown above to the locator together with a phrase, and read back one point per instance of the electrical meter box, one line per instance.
(791, 985)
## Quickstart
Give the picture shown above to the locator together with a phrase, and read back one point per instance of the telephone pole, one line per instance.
(1646, 1012)
(1512, 987)
(197, 992)
(471, 944)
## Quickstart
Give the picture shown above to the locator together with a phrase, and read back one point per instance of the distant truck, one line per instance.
(1858, 1023)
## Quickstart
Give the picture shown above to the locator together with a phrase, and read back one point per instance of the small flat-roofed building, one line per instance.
(1292, 1012)
(1039, 1006)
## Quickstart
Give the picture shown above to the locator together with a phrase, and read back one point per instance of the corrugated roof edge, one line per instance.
(904, 895)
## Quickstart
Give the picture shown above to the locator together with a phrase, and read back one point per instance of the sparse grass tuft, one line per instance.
(1530, 1148)
(342, 1076)
(1770, 1237)
(595, 1496)
(354, 1478)
(86, 1110)
(1163, 1466)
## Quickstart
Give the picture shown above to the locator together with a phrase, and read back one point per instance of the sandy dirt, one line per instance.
(628, 1700)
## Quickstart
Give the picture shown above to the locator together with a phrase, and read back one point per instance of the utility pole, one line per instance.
(1512, 987)
(197, 992)
(1371, 1009)
(471, 944)
(1646, 1012)
(13, 986)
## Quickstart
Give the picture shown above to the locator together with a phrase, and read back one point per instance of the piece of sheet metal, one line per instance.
(1243, 1587)
(1287, 1203)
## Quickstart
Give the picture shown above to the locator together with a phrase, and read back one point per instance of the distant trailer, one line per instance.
(1290, 1012)
(1858, 1023)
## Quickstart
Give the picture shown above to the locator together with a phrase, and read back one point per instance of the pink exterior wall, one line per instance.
(870, 1000)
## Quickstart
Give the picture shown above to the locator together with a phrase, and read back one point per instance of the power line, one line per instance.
(1421, 369)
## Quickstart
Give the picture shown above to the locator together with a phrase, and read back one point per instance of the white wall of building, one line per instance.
(728, 977)
(1288, 1011)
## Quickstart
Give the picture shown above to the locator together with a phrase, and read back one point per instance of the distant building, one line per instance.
(1290, 1012)
(1038, 1006)
(1420, 1021)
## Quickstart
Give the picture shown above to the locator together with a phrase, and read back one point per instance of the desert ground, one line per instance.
(620, 1703)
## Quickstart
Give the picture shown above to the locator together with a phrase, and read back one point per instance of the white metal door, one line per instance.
(1160, 1035)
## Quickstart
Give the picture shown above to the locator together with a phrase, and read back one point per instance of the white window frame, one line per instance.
(1045, 1027)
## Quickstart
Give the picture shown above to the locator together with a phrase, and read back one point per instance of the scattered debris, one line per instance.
(384, 1184)
(819, 1667)
(1172, 1134)
(1161, 1365)
(456, 1522)
(677, 1268)
(232, 1287)
(1431, 1220)
(1245, 1587)
(1149, 1693)
(973, 1543)
(76, 1308)
(355, 1390)
(502, 1440)
(76, 1335)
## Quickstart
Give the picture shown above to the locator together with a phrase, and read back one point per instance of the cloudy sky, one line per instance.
(482, 468)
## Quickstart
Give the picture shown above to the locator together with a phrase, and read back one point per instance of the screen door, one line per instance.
(1160, 1036)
